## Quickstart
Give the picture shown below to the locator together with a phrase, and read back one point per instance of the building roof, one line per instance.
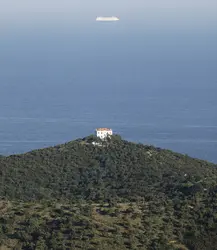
(103, 129)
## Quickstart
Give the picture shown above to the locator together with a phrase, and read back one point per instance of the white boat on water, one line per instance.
(107, 19)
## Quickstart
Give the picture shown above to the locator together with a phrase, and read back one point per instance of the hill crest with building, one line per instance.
(122, 195)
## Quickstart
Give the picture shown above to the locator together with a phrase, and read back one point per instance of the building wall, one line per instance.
(103, 134)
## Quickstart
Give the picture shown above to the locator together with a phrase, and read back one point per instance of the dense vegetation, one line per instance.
(115, 195)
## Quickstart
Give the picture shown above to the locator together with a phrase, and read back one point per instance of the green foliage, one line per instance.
(150, 198)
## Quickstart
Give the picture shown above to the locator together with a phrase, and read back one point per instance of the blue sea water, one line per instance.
(157, 87)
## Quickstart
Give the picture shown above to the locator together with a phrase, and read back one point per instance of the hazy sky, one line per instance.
(123, 5)
(192, 12)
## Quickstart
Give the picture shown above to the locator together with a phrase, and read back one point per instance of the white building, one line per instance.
(103, 132)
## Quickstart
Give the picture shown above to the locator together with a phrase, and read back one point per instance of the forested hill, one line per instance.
(171, 197)
(80, 170)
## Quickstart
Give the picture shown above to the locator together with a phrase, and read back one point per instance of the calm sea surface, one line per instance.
(157, 87)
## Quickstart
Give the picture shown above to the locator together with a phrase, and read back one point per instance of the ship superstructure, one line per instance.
(107, 19)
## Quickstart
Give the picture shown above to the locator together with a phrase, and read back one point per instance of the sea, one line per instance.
(157, 86)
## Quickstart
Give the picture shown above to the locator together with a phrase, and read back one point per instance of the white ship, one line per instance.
(107, 19)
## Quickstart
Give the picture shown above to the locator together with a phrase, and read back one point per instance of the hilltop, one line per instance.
(115, 195)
